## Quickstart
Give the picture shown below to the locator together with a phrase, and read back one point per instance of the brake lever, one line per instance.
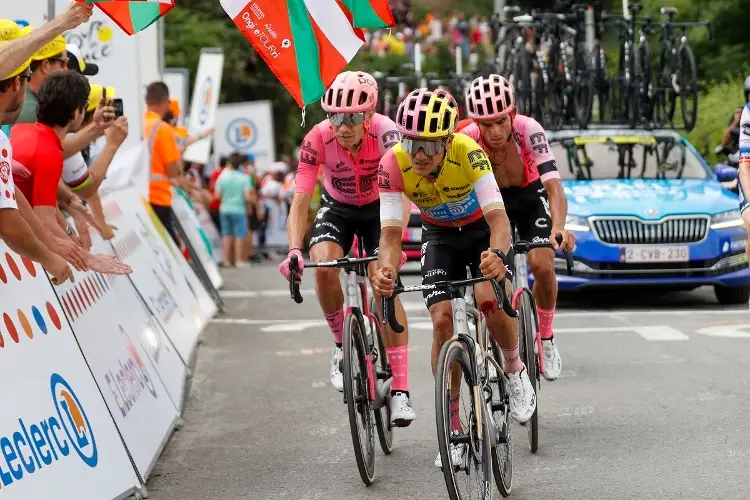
(568, 255)
(502, 298)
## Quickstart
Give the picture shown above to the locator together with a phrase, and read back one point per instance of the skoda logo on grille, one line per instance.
(650, 211)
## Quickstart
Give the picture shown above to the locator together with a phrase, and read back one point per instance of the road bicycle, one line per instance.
(676, 75)
(485, 435)
(530, 339)
(365, 368)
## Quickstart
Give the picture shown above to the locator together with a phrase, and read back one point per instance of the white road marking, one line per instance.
(293, 327)
(660, 333)
(728, 331)
(251, 294)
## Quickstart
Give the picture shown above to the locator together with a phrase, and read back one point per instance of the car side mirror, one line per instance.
(725, 173)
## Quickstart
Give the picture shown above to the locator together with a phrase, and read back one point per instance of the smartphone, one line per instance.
(117, 104)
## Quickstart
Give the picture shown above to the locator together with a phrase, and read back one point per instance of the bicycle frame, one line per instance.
(355, 302)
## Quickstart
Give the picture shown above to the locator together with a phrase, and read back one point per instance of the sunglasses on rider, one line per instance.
(430, 148)
(350, 119)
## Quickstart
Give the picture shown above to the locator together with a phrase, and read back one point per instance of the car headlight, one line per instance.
(723, 220)
(575, 223)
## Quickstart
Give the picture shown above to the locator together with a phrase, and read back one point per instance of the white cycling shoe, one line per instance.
(337, 378)
(458, 455)
(521, 395)
(402, 413)
(552, 360)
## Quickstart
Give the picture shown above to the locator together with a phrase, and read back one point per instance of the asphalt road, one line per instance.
(652, 404)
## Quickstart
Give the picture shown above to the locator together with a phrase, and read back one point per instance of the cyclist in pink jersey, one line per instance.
(347, 147)
(526, 172)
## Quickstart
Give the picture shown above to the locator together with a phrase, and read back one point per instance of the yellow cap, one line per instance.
(9, 30)
(26, 30)
(18, 70)
(52, 49)
(96, 93)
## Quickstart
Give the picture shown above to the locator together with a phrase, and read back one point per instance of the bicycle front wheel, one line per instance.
(502, 452)
(471, 477)
(356, 392)
(527, 334)
(383, 414)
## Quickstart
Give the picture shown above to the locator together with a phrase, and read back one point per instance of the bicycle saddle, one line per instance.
(526, 18)
(511, 8)
(669, 10)
(634, 7)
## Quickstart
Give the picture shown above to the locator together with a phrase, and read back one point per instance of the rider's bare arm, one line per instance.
(491, 202)
(310, 158)
(390, 186)
(745, 152)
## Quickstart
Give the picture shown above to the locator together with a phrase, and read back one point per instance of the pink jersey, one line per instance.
(348, 179)
(532, 145)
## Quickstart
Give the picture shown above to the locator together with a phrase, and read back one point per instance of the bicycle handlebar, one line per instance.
(389, 308)
(344, 262)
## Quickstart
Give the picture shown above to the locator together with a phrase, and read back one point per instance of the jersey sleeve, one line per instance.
(472, 130)
(76, 173)
(536, 142)
(7, 188)
(745, 136)
(311, 155)
(485, 185)
(388, 134)
(390, 186)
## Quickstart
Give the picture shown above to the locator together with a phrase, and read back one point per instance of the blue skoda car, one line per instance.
(647, 210)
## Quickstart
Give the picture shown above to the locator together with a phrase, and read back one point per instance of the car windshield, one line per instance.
(623, 157)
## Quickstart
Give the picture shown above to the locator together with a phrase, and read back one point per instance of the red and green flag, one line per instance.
(133, 16)
(306, 43)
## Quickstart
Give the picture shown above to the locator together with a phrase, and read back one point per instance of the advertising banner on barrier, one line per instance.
(103, 42)
(178, 81)
(56, 433)
(246, 127)
(191, 224)
(210, 230)
(28, 12)
(204, 102)
(159, 349)
(156, 276)
(133, 391)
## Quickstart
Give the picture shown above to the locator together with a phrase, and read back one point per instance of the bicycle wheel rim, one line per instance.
(502, 452)
(526, 328)
(688, 88)
(584, 90)
(453, 351)
(383, 414)
(359, 404)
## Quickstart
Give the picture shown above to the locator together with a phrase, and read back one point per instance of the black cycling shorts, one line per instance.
(339, 222)
(528, 210)
(447, 251)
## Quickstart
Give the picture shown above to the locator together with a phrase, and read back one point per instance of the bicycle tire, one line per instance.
(527, 332)
(583, 82)
(503, 476)
(601, 83)
(354, 341)
(454, 350)
(522, 72)
(382, 415)
(643, 70)
(689, 116)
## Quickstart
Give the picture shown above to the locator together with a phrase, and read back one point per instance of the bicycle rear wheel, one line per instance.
(527, 335)
(383, 414)
(476, 463)
(356, 392)
(583, 88)
(688, 87)
(502, 452)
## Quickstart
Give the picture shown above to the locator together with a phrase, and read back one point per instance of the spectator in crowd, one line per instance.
(184, 139)
(20, 49)
(38, 167)
(233, 188)
(255, 211)
(84, 175)
(50, 59)
(14, 229)
(213, 206)
(166, 157)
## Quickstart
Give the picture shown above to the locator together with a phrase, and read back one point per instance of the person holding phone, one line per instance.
(84, 172)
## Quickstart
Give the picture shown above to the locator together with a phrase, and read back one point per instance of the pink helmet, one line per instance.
(351, 92)
(490, 97)
(427, 113)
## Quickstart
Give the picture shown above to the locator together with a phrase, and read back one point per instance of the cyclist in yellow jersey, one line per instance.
(448, 176)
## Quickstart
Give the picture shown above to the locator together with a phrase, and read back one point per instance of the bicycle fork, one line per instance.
(521, 285)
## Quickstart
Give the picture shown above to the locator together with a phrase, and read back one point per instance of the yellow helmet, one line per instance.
(96, 93)
(427, 113)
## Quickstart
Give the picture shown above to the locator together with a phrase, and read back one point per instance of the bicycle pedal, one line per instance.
(402, 423)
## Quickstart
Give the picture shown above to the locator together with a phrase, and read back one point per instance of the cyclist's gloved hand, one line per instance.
(384, 280)
(568, 240)
(492, 266)
(284, 266)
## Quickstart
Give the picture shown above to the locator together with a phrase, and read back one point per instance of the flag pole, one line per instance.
(50, 10)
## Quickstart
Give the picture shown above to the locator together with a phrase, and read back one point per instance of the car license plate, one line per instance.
(415, 234)
(645, 253)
